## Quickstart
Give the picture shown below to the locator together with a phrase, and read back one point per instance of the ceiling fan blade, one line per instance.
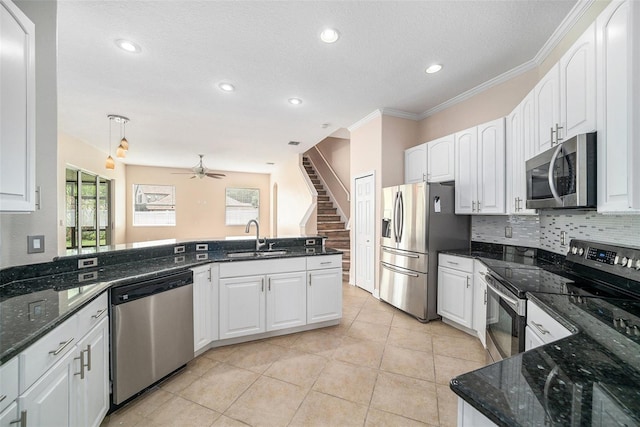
(215, 175)
(181, 173)
(192, 177)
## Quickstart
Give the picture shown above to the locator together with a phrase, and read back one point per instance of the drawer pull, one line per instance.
(540, 328)
(63, 345)
(453, 263)
(99, 313)
(3, 397)
(81, 358)
(22, 420)
(325, 263)
(88, 350)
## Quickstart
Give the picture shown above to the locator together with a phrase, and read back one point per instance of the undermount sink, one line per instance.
(256, 254)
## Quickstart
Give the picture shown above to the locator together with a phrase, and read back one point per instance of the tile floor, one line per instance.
(379, 367)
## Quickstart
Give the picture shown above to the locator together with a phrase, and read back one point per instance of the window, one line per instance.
(88, 209)
(154, 205)
(242, 205)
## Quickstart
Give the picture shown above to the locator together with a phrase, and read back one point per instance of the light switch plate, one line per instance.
(35, 244)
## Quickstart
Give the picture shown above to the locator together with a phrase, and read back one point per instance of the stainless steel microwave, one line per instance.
(564, 176)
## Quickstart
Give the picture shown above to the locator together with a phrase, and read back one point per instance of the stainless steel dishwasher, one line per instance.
(151, 332)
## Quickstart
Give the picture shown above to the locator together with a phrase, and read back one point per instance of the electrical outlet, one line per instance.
(508, 232)
(35, 244)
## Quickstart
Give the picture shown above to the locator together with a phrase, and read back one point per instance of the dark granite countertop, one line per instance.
(31, 307)
(556, 384)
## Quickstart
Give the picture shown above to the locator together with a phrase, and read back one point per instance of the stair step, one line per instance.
(338, 245)
(333, 225)
(323, 198)
(327, 211)
(325, 204)
(328, 217)
(321, 192)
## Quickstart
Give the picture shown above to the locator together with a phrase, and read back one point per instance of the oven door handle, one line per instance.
(552, 183)
(511, 301)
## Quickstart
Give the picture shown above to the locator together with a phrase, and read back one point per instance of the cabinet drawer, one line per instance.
(266, 266)
(456, 262)
(324, 261)
(40, 356)
(8, 383)
(545, 326)
(93, 313)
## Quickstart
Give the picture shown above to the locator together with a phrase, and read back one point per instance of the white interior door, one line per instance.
(365, 232)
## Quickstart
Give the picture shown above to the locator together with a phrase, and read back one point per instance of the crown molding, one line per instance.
(565, 26)
(366, 119)
(400, 114)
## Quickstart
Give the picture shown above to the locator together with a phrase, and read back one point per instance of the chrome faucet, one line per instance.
(259, 244)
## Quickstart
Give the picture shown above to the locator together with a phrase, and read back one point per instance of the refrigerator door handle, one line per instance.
(396, 270)
(395, 217)
(391, 251)
(401, 219)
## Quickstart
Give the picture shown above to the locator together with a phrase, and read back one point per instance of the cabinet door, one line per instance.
(48, 401)
(17, 110)
(466, 170)
(547, 105)
(202, 308)
(480, 303)
(324, 295)
(215, 302)
(515, 154)
(617, 29)
(242, 303)
(441, 159)
(578, 85)
(415, 164)
(491, 165)
(531, 339)
(455, 296)
(92, 392)
(286, 300)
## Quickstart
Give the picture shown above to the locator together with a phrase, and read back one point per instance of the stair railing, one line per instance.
(333, 172)
(341, 203)
(310, 216)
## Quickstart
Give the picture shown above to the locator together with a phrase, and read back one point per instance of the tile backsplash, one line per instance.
(543, 231)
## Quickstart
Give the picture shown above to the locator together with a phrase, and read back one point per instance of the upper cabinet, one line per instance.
(415, 164)
(17, 110)
(618, 95)
(480, 169)
(547, 110)
(440, 159)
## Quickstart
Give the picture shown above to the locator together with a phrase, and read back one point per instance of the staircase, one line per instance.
(329, 223)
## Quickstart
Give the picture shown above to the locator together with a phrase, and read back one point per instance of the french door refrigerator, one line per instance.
(418, 220)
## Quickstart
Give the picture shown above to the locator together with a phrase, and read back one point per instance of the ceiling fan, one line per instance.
(200, 171)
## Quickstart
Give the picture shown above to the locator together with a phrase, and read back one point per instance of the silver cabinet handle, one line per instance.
(551, 136)
(22, 420)
(468, 281)
(478, 206)
(3, 397)
(63, 345)
(309, 280)
(558, 139)
(269, 284)
(473, 206)
(325, 263)
(262, 285)
(88, 350)
(81, 358)
(453, 263)
(99, 313)
(485, 297)
(539, 327)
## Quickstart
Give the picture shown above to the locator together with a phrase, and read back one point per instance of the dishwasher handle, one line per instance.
(127, 293)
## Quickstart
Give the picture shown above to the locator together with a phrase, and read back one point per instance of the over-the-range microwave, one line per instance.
(564, 176)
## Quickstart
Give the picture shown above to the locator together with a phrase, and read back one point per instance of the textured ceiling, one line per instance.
(271, 52)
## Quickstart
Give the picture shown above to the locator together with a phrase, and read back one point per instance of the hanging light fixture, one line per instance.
(124, 144)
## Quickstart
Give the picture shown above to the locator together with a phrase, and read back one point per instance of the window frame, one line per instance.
(136, 201)
(239, 208)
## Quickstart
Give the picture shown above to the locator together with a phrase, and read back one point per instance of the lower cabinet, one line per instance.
(455, 290)
(468, 416)
(286, 301)
(541, 327)
(242, 304)
(480, 301)
(9, 415)
(92, 391)
(205, 305)
(324, 295)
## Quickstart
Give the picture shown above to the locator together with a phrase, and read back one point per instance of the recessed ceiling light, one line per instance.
(295, 101)
(434, 68)
(227, 87)
(329, 35)
(128, 46)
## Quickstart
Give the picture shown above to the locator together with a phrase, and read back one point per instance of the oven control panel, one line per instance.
(601, 255)
(619, 260)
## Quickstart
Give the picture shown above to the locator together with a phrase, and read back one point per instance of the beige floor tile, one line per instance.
(350, 313)
(256, 356)
(220, 353)
(409, 338)
(468, 348)
(220, 387)
(340, 329)
(410, 363)
(449, 367)
(440, 328)
(377, 418)
(286, 341)
(149, 401)
(358, 352)
(178, 382)
(224, 421)
(407, 397)
(297, 367)
(375, 316)
(376, 304)
(200, 365)
(318, 342)
(322, 410)
(181, 412)
(368, 331)
(123, 418)
(349, 382)
(268, 402)
(447, 406)
(353, 301)
(402, 320)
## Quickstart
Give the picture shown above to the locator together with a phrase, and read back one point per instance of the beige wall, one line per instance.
(294, 198)
(14, 228)
(337, 153)
(74, 153)
(200, 204)
(397, 135)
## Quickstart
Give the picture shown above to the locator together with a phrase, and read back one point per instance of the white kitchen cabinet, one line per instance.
(519, 141)
(242, 304)
(531, 339)
(324, 294)
(480, 301)
(9, 417)
(286, 300)
(480, 169)
(547, 110)
(441, 159)
(468, 416)
(17, 110)
(618, 96)
(205, 305)
(606, 410)
(541, 327)
(455, 290)
(415, 164)
(578, 86)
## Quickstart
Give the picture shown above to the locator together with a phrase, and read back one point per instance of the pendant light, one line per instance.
(110, 163)
(121, 151)
(124, 144)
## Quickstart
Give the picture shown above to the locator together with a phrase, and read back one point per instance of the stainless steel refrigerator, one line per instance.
(418, 220)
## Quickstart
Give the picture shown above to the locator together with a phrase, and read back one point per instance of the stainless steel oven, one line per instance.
(506, 320)
(563, 176)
